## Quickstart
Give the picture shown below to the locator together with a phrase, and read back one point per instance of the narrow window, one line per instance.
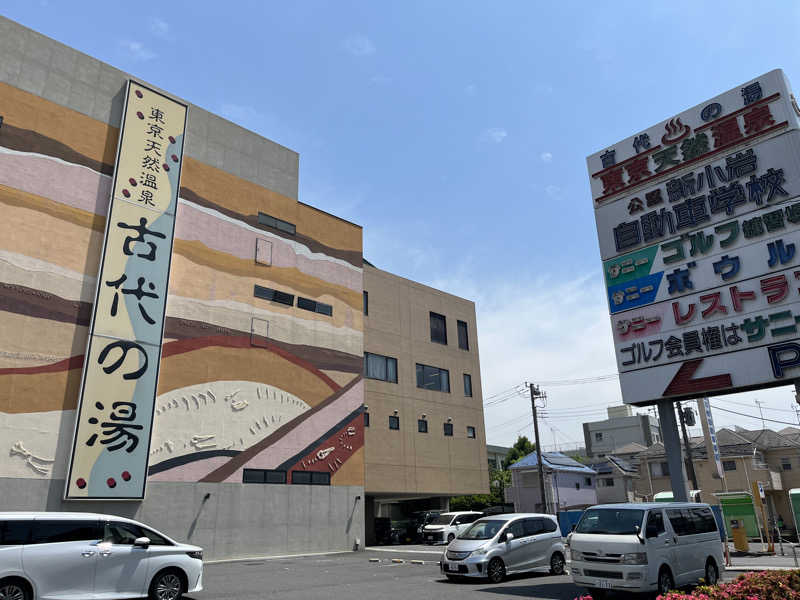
(314, 306)
(468, 385)
(266, 293)
(366, 302)
(471, 432)
(438, 329)
(422, 426)
(394, 422)
(463, 335)
(366, 419)
(448, 429)
(279, 224)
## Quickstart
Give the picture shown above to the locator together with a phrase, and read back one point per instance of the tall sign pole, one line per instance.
(535, 393)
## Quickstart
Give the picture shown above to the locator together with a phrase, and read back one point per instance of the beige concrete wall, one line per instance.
(406, 461)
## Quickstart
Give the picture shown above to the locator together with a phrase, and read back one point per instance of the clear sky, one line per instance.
(456, 133)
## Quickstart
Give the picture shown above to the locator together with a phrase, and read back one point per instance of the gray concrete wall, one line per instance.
(236, 520)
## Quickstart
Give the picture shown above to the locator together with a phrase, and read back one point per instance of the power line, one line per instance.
(756, 417)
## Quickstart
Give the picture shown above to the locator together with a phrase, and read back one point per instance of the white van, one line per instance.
(61, 556)
(645, 547)
(446, 527)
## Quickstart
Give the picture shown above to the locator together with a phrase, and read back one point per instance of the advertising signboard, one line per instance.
(115, 411)
(710, 432)
(698, 222)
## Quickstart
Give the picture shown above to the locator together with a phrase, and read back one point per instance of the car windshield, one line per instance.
(482, 530)
(442, 520)
(610, 521)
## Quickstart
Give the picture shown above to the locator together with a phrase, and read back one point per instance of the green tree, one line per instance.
(521, 448)
(498, 480)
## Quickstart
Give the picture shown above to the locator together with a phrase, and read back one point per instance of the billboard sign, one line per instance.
(120, 372)
(698, 221)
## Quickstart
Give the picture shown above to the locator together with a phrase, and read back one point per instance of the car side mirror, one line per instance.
(509, 536)
(142, 542)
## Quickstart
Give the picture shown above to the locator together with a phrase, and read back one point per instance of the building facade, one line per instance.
(257, 443)
(615, 480)
(568, 484)
(425, 441)
(495, 456)
(618, 430)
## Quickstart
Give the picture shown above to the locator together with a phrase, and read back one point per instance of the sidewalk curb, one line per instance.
(274, 557)
(745, 568)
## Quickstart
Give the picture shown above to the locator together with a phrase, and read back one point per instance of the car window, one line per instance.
(517, 529)
(681, 523)
(482, 530)
(549, 525)
(533, 526)
(655, 521)
(122, 533)
(54, 531)
(703, 519)
(469, 518)
(14, 533)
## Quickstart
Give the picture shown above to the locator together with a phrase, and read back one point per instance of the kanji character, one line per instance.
(627, 235)
(137, 292)
(715, 305)
(635, 205)
(780, 316)
(152, 146)
(681, 319)
(755, 328)
(688, 183)
(726, 132)
(641, 142)
(151, 164)
(124, 346)
(666, 158)
(731, 263)
(775, 288)
(751, 93)
(730, 337)
(612, 181)
(793, 213)
(694, 147)
(732, 228)
(701, 243)
(691, 212)
(741, 164)
(691, 342)
(726, 198)
(654, 222)
(773, 220)
(712, 338)
(710, 176)
(146, 198)
(757, 119)
(637, 169)
(654, 197)
(675, 190)
(770, 183)
(120, 435)
(142, 231)
(148, 180)
(679, 280)
(660, 344)
(674, 347)
(608, 158)
(156, 115)
(753, 227)
(155, 131)
(778, 253)
(632, 350)
(677, 246)
(737, 297)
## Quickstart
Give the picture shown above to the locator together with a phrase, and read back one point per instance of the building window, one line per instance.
(422, 426)
(470, 432)
(266, 293)
(433, 378)
(448, 429)
(314, 306)
(577, 485)
(366, 419)
(366, 302)
(587, 481)
(598, 437)
(609, 481)
(468, 385)
(311, 478)
(394, 422)
(263, 476)
(383, 368)
(728, 465)
(285, 226)
(786, 465)
(463, 335)
(659, 469)
(438, 329)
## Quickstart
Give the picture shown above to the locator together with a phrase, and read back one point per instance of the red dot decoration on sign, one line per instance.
(126, 476)
(111, 482)
(138, 94)
(166, 166)
(174, 158)
(139, 114)
(81, 483)
(132, 181)
(126, 193)
(171, 140)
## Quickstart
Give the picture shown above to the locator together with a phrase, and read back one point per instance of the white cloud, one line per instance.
(470, 89)
(546, 157)
(494, 134)
(137, 50)
(359, 45)
(159, 27)
(552, 190)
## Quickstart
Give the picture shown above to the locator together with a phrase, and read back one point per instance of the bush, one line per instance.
(763, 585)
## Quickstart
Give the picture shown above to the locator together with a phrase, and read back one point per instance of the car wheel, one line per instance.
(665, 582)
(496, 571)
(13, 589)
(166, 585)
(712, 573)
(450, 538)
(557, 564)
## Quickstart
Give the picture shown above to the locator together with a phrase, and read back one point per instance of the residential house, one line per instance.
(568, 484)
(616, 480)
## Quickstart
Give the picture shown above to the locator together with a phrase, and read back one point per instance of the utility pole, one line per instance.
(761, 411)
(535, 393)
(688, 447)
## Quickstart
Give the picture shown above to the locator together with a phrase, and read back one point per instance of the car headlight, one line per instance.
(576, 555)
(480, 551)
(198, 554)
(634, 558)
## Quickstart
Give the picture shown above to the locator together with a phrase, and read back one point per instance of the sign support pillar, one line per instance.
(673, 450)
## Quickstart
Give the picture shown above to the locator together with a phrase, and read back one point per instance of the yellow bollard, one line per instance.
(739, 537)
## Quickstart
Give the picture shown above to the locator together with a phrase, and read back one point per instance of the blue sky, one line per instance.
(456, 134)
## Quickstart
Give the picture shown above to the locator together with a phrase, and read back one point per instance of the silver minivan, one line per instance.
(501, 545)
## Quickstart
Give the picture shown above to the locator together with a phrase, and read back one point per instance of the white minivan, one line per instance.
(446, 527)
(645, 547)
(79, 556)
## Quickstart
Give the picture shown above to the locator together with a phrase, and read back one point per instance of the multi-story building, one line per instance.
(496, 455)
(620, 429)
(425, 437)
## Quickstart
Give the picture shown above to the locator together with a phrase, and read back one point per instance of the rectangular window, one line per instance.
(463, 335)
(15, 532)
(587, 481)
(577, 485)
(468, 385)
(609, 481)
(433, 378)
(728, 465)
(78, 530)
(266, 293)
(422, 426)
(659, 469)
(471, 432)
(598, 437)
(704, 521)
(366, 419)
(366, 302)
(263, 476)
(285, 226)
(786, 465)
(311, 478)
(448, 429)
(438, 329)
(383, 368)
(314, 306)
(394, 422)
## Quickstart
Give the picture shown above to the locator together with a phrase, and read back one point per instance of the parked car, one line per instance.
(645, 547)
(58, 556)
(501, 545)
(444, 528)
(422, 518)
